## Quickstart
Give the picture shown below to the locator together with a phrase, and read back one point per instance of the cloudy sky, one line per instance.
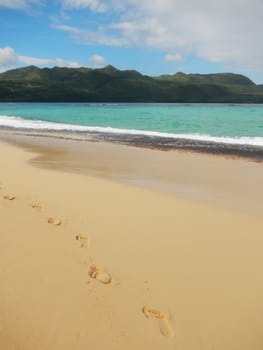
(152, 36)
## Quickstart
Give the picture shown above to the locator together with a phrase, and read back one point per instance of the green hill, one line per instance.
(108, 84)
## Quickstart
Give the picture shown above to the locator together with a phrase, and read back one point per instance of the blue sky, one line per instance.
(152, 36)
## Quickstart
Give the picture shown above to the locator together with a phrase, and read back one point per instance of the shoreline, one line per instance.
(143, 139)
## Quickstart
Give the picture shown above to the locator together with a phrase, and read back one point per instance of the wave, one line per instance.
(38, 125)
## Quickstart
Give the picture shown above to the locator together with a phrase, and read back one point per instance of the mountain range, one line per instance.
(108, 84)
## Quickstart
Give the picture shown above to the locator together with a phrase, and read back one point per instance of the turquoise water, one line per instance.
(191, 120)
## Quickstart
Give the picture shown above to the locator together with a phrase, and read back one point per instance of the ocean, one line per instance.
(234, 129)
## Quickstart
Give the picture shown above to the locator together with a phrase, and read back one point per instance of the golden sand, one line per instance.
(189, 273)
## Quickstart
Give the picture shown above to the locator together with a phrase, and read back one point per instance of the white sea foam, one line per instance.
(26, 124)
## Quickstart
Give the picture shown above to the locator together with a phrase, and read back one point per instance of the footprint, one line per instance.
(163, 320)
(9, 198)
(36, 205)
(100, 275)
(84, 240)
(54, 221)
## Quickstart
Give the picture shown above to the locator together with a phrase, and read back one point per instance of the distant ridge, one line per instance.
(108, 84)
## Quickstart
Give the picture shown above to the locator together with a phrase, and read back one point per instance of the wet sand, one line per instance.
(89, 259)
(228, 182)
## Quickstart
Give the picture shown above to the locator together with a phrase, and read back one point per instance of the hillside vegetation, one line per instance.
(108, 84)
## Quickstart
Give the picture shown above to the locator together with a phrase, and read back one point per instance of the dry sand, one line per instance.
(88, 263)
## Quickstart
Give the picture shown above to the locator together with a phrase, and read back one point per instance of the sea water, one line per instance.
(232, 124)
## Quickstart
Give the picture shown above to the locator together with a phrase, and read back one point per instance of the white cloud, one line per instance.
(18, 4)
(9, 59)
(97, 60)
(173, 58)
(94, 5)
(89, 37)
(59, 62)
(226, 31)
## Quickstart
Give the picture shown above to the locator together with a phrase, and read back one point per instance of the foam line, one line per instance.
(26, 124)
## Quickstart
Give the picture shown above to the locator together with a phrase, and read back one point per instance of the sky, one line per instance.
(152, 36)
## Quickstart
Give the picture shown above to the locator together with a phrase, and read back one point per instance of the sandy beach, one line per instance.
(103, 254)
